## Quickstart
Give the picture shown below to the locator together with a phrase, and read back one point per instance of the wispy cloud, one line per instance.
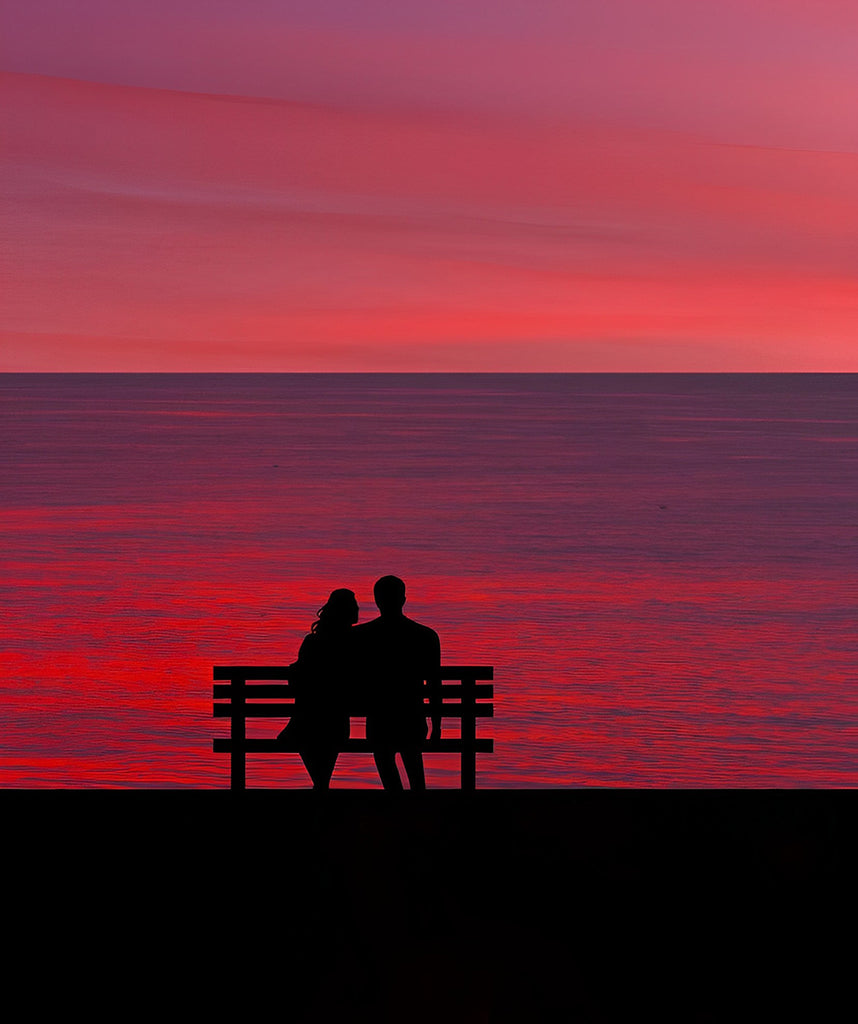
(153, 229)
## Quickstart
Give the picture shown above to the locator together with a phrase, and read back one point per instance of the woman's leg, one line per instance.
(385, 762)
(320, 766)
(412, 760)
(327, 761)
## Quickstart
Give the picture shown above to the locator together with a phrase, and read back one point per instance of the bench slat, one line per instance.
(250, 672)
(259, 745)
(282, 672)
(285, 711)
(225, 691)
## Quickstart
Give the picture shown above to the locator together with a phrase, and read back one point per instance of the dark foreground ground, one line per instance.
(494, 907)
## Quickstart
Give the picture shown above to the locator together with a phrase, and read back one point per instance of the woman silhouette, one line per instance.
(319, 725)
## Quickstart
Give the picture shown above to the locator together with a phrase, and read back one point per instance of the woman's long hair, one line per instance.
(340, 611)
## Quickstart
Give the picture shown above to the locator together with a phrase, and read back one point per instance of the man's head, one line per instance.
(389, 594)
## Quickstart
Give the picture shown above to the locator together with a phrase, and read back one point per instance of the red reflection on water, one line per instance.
(664, 680)
(656, 614)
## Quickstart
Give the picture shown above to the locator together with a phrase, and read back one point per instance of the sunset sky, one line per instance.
(584, 185)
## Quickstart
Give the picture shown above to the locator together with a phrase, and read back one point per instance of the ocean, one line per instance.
(659, 567)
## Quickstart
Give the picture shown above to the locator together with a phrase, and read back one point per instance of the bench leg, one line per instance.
(469, 735)
(469, 768)
(238, 735)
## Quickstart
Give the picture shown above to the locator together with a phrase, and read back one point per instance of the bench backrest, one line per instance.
(462, 694)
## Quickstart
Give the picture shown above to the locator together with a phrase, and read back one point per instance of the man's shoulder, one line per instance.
(424, 634)
(401, 622)
(398, 627)
(420, 627)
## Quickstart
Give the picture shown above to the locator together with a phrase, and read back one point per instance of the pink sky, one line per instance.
(613, 186)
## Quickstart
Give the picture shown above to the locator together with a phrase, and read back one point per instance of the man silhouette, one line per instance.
(397, 654)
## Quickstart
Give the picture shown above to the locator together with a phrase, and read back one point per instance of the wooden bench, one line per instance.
(461, 695)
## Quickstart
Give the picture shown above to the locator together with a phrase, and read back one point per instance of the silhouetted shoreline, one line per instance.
(767, 834)
(506, 903)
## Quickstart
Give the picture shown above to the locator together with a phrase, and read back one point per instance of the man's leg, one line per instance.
(412, 759)
(385, 762)
(319, 762)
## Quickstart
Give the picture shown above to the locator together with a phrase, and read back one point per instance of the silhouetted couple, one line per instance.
(379, 666)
